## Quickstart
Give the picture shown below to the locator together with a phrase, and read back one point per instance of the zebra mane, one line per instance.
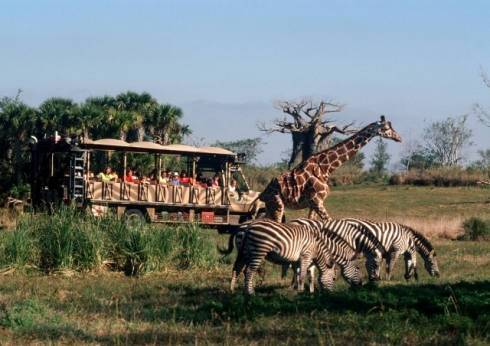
(421, 241)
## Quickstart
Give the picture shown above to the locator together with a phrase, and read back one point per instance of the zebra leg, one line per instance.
(304, 265)
(410, 264)
(253, 265)
(237, 268)
(390, 263)
(248, 288)
(311, 278)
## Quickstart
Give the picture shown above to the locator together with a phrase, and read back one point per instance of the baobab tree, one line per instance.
(310, 131)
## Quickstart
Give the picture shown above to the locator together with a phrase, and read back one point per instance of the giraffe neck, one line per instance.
(331, 158)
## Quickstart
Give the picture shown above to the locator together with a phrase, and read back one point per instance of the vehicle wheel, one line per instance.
(134, 218)
(226, 229)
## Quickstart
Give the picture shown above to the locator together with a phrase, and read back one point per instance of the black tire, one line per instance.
(134, 218)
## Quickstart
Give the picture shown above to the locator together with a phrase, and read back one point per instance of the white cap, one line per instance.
(176, 173)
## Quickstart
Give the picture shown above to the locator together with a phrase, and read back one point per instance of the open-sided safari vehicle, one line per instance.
(62, 166)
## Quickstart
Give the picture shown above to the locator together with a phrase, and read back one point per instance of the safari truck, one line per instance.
(61, 172)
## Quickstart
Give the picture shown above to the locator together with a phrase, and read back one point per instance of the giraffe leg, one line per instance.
(316, 205)
(274, 208)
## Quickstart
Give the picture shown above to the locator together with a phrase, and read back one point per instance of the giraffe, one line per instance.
(306, 185)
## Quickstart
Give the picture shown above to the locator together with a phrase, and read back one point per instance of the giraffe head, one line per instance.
(383, 129)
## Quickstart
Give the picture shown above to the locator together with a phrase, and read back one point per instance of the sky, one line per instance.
(226, 62)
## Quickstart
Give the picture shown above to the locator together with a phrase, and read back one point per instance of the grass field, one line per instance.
(180, 307)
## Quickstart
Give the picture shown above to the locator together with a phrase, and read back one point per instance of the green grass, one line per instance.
(186, 300)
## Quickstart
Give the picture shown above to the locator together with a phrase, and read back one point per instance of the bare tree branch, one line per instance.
(310, 132)
(480, 111)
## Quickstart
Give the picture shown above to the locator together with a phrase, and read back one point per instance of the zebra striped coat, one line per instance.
(280, 244)
(395, 240)
(363, 242)
(425, 250)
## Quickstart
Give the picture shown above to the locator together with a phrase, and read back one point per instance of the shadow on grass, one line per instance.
(465, 299)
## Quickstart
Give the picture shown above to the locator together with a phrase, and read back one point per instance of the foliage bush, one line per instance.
(66, 240)
(476, 229)
(441, 177)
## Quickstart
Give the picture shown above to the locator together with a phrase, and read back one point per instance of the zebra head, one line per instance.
(351, 273)
(430, 264)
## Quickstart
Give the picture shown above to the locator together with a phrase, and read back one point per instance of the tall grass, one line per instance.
(67, 240)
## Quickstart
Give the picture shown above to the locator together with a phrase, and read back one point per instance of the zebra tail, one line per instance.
(225, 252)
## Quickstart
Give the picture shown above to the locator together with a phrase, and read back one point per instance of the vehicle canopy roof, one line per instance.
(110, 144)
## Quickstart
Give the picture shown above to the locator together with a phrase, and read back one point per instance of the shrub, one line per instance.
(476, 229)
(195, 248)
(69, 240)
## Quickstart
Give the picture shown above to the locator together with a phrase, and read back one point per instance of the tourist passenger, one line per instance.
(175, 178)
(232, 186)
(214, 181)
(106, 175)
(164, 178)
(183, 178)
(129, 176)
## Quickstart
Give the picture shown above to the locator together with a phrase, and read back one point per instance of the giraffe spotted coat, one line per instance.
(306, 185)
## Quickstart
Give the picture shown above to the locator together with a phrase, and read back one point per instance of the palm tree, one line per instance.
(59, 114)
(96, 115)
(162, 123)
(124, 121)
(18, 121)
(138, 104)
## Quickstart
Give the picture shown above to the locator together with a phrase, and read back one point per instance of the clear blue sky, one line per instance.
(225, 62)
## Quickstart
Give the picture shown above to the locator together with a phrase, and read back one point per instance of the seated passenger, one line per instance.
(232, 186)
(214, 182)
(175, 179)
(164, 178)
(106, 175)
(129, 176)
(197, 180)
(184, 179)
(151, 178)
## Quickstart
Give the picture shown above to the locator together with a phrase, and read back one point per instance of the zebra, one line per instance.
(394, 240)
(238, 234)
(343, 254)
(280, 243)
(362, 242)
(425, 250)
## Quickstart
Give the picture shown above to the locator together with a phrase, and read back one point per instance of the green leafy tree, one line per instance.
(251, 147)
(380, 158)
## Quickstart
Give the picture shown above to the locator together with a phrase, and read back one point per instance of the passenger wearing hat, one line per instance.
(175, 178)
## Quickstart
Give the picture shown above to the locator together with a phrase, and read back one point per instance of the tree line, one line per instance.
(128, 116)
